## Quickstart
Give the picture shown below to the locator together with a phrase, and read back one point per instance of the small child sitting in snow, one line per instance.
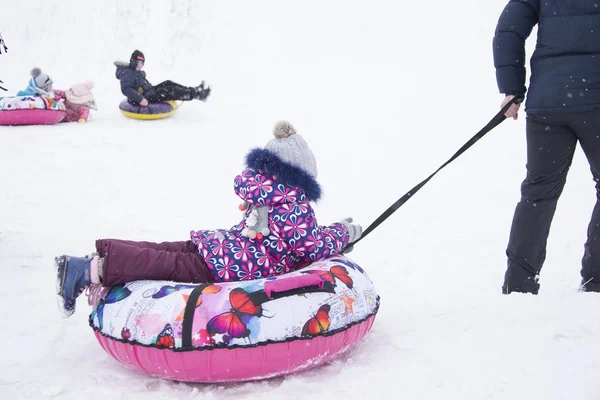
(277, 234)
(40, 84)
(78, 100)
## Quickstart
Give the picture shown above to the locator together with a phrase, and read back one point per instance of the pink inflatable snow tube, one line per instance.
(237, 364)
(31, 110)
(33, 116)
(237, 331)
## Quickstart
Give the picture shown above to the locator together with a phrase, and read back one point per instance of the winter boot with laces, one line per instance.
(73, 275)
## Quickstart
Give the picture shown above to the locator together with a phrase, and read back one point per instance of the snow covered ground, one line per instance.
(384, 93)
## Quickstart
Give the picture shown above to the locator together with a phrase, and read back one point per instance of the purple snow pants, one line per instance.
(126, 261)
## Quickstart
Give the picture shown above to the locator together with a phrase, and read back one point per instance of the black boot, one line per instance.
(519, 280)
(200, 86)
(590, 285)
(202, 94)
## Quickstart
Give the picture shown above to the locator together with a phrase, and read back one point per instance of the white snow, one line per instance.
(384, 92)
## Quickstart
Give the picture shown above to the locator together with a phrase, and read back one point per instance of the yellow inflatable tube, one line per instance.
(153, 111)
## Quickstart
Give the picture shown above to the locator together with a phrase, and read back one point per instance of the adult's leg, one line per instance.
(169, 90)
(125, 262)
(550, 148)
(587, 128)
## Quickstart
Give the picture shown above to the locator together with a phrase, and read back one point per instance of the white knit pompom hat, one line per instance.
(42, 80)
(292, 148)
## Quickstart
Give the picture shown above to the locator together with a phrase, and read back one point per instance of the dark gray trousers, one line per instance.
(551, 142)
(169, 90)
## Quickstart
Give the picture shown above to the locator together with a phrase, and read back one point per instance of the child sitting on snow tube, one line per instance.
(139, 91)
(278, 234)
(40, 84)
(78, 101)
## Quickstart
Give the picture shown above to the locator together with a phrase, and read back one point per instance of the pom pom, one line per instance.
(252, 218)
(242, 207)
(283, 129)
(259, 236)
(249, 233)
(35, 72)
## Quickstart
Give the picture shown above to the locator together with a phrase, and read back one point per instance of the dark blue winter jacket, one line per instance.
(133, 83)
(565, 66)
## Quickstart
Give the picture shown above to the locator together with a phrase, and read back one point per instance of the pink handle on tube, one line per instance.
(296, 282)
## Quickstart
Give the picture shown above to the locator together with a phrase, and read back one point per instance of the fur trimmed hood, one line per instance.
(267, 162)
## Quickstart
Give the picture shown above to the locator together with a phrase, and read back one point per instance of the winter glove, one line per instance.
(92, 105)
(354, 232)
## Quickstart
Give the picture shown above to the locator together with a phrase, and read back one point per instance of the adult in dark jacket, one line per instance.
(563, 108)
(138, 90)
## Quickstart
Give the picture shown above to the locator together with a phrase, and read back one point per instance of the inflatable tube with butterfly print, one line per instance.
(237, 331)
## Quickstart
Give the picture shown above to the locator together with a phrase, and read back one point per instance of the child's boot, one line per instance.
(202, 94)
(73, 275)
(200, 86)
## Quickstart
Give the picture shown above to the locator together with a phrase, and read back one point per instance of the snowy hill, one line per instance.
(384, 93)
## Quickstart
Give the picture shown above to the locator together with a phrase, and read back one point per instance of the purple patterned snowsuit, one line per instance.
(295, 238)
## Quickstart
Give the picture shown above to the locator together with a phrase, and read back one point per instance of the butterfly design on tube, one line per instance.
(208, 289)
(169, 289)
(336, 272)
(165, 337)
(349, 263)
(116, 294)
(319, 323)
(233, 323)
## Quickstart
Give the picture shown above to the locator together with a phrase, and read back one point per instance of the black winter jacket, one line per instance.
(133, 83)
(565, 66)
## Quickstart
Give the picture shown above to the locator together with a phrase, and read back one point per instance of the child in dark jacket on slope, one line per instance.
(278, 232)
(138, 90)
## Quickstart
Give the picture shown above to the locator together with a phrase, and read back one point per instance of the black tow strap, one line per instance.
(494, 122)
(188, 316)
